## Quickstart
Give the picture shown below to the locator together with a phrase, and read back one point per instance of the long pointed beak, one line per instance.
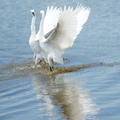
(33, 13)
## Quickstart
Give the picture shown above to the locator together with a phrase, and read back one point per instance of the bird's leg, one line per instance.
(51, 68)
(43, 60)
(50, 61)
(34, 58)
(36, 61)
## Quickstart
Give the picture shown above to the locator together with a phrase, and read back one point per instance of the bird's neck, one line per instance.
(41, 29)
(33, 32)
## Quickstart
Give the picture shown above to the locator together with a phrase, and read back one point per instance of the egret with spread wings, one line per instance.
(58, 30)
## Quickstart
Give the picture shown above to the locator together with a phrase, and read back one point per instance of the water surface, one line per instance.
(85, 87)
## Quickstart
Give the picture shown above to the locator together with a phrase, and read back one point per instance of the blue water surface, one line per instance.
(91, 93)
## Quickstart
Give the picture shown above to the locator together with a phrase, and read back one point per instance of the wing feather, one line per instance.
(70, 24)
(51, 19)
(67, 28)
(82, 16)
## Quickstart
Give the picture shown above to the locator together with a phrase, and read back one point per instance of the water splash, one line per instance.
(24, 69)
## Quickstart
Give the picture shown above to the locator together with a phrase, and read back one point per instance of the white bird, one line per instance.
(59, 28)
(39, 54)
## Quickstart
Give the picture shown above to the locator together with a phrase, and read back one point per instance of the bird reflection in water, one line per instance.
(62, 100)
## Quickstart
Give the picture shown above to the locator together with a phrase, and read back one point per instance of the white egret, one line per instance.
(59, 29)
(34, 42)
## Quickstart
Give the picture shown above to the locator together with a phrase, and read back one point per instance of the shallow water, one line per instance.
(85, 87)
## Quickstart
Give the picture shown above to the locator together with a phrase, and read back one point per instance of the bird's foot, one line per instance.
(51, 68)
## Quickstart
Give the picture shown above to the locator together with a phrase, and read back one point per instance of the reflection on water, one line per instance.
(58, 97)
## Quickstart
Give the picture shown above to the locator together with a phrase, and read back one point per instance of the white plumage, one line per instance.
(51, 19)
(58, 30)
(39, 54)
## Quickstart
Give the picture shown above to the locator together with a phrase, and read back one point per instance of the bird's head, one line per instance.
(33, 12)
(42, 12)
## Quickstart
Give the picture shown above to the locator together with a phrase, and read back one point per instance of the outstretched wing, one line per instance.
(82, 16)
(66, 32)
(69, 25)
(51, 19)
